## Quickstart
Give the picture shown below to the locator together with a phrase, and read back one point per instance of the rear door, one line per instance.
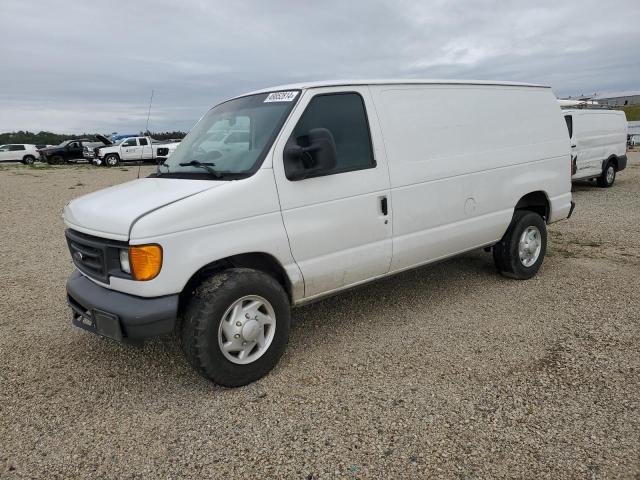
(146, 152)
(338, 223)
(16, 152)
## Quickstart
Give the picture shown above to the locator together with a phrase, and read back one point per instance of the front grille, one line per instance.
(94, 256)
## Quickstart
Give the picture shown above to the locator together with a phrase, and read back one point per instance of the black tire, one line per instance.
(506, 252)
(55, 160)
(204, 313)
(608, 175)
(112, 160)
(29, 160)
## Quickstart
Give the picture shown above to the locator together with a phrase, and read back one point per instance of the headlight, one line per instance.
(144, 261)
(124, 261)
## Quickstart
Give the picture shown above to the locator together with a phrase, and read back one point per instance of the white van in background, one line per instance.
(335, 184)
(598, 143)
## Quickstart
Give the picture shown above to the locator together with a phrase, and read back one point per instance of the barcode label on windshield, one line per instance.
(281, 96)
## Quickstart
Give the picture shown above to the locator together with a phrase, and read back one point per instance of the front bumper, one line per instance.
(118, 315)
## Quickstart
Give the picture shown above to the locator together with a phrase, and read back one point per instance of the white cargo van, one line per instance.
(598, 143)
(338, 184)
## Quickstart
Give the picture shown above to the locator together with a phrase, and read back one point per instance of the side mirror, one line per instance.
(317, 155)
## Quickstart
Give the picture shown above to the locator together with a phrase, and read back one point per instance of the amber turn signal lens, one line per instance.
(146, 261)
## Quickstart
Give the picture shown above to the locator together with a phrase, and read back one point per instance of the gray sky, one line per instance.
(74, 66)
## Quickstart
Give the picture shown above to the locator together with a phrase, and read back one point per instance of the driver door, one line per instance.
(130, 149)
(339, 222)
(73, 151)
(5, 154)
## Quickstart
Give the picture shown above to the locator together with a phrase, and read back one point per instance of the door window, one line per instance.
(16, 148)
(143, 142)
(569, 120)
(130, 142)
(237, 137)
(344, 115)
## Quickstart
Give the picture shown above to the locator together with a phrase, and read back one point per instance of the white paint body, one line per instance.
(597, 136)
(445, 196)
(15, 152)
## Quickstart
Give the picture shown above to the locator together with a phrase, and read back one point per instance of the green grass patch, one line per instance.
(632, 112)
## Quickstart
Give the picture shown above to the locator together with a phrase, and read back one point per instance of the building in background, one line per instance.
(616, 99)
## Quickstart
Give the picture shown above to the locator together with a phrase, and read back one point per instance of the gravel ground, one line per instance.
(446, 371)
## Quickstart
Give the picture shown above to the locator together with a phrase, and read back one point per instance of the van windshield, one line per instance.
(232, 138)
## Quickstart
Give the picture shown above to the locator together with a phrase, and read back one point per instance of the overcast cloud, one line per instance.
(75, 66)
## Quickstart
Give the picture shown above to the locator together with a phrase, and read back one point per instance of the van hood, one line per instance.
(111, 212)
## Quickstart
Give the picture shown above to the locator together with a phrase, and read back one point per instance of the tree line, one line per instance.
(50, 138)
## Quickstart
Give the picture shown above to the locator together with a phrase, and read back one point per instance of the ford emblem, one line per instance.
(78, 256)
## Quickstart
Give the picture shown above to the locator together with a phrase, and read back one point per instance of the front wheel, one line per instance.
(29, 160)
(112, 160)
(608, 176)
(520, 252)
(56, 160)
(236, 326)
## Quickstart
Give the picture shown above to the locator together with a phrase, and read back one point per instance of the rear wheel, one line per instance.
(521, 251)
(236, 326)
(29, 160)
(608, 176)
(111, 160)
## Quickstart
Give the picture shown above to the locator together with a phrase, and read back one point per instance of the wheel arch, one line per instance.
(613, 159)
(538, 202)
(260, 261)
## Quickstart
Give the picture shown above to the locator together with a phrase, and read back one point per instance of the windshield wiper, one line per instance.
(206, 165)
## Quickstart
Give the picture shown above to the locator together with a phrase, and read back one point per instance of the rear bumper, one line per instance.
(118, 315)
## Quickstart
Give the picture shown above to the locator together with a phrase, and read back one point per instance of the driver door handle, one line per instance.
(384, 206)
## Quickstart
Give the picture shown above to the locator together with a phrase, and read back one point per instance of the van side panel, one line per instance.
(460, 158)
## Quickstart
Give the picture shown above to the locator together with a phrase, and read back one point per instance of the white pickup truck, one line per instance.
(133, 149)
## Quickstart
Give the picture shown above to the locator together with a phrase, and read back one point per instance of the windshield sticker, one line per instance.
(281, 96)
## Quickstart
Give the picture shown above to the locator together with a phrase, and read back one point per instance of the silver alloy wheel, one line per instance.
(611, 174)
(112, 161)
(530, 246)
(247, 329)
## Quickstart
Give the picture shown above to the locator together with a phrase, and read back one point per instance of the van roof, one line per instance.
(410, 81)
(592, 110)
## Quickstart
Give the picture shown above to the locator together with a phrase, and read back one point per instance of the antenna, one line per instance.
(147, 133)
